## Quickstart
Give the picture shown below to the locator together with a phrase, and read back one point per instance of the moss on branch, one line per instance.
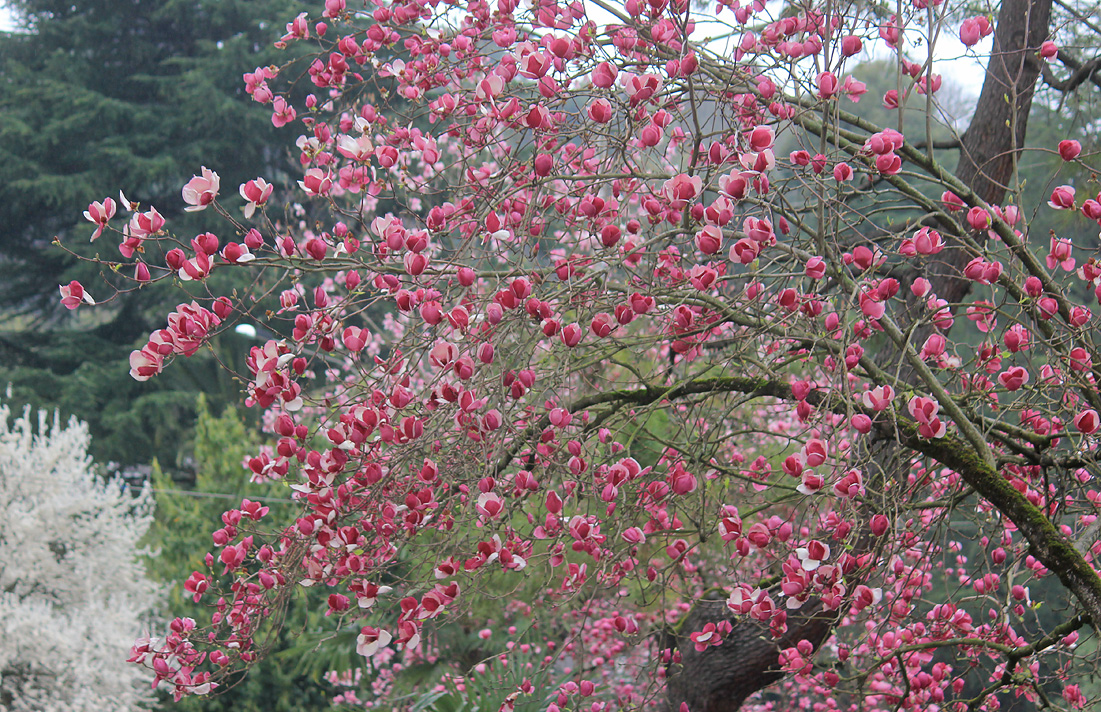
(1054, 550)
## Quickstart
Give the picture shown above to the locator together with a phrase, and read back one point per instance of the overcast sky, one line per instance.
(952, 60)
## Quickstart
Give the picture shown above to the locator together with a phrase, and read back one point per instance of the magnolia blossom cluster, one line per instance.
(573, 335)
(189, 327)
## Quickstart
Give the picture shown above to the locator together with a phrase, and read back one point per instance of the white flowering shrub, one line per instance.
(73, 590)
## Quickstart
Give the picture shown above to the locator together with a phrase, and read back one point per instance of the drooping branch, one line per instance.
(1081, 72)
(1053, 549)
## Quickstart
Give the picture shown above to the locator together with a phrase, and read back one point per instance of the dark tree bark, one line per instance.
(993, 140)
(721, 678)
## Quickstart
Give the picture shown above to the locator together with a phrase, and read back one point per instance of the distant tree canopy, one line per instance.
(100, 94)
(97, 94)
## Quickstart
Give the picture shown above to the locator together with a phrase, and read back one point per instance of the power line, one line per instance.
(219, 495)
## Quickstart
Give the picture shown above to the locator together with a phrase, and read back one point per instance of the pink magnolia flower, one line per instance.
(744, 251)
(827, 85)
(604, 75)
(923, 83)
(1075, 697)
(884, 142)
(600, 111)
(851, 45)
(333, 8)
(681, 188)
(854, 88)
(100, 213)
(1016, 338)
(706, 638)
(371, 640)
(871, 305)
(813, 554)
(255, 192)
(951, 201)
(282, 112)
(1062, 198)
(709, 240)
(201, 191)
(490, 505)
(316, 182)
(933, 348)
(146, 363)
(815, 268)
(761, 137)
(642, 87)
(357, 148)
(1060, 254)
(602, 325)
(878, 398)
(888, 164)
(928, 242)
(815, 452)
(571, 334)
(890, 31)
(925, 412)
(974, 29)
(982, 313)
(235, 253)
(297, 29)
(851, 485)
(143, 225)
(983, 272)
(977, 218)
(682, 482)
(743, 600)
(73, 295)
(942, 315)
(810, 483)
(1080, 359)
(1013, 378)
(1086, 422)
(1069, 149)
(861, 423)
(189, 326)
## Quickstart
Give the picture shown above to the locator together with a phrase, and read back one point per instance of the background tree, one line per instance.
(73, 589)
(713, 403)
(98, 96)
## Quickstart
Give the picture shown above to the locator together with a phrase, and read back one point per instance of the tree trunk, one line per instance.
(721, 678)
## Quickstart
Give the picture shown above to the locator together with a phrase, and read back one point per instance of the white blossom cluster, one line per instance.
(73, 591)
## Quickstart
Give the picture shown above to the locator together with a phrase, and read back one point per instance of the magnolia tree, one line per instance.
(73, 593)
(610, 331)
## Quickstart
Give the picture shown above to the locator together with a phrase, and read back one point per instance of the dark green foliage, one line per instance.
(84, 374)
(109, 94)
(102, 95)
